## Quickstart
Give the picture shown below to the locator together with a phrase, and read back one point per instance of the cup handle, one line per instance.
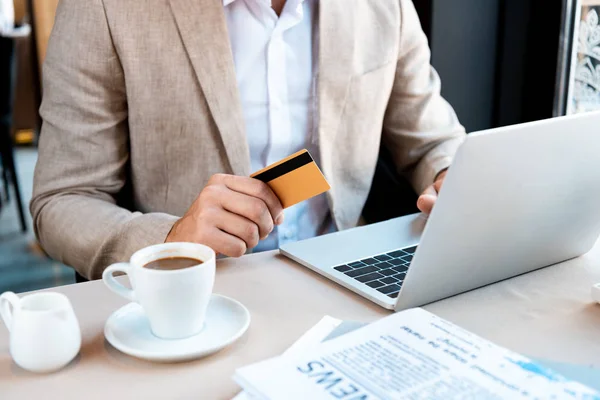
(111, 282)
(9, 303)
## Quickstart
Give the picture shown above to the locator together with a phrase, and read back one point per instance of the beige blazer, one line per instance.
(141, 107)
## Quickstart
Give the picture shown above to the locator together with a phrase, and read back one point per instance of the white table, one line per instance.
(545, 314)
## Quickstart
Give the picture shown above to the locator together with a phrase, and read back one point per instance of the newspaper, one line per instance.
(309, 340)
(409, 355)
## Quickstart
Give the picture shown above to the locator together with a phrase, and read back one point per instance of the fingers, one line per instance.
(429, 196)
(209, 235)
(239, 227)
(255, 188)
(427, 200)
(231, 215)
(248, 207)
(224, 243)
(437, 185)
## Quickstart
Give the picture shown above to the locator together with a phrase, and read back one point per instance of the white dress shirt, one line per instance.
(7, 16)
(275, 63)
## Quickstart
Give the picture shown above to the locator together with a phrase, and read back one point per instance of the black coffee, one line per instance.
(173, 263)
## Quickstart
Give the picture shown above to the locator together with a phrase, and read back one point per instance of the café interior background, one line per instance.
(501, 62)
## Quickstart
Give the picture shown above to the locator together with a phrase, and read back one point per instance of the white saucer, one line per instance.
(128, 330)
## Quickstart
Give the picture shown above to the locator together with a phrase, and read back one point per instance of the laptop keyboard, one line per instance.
(384, 272)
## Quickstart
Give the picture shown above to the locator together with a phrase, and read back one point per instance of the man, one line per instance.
(159, 109)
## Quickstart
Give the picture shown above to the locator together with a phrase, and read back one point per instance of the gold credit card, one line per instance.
(294, 179)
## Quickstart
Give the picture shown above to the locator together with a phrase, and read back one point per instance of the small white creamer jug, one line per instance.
(44, 332)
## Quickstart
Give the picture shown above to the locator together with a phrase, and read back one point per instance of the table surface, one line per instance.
(546, 314)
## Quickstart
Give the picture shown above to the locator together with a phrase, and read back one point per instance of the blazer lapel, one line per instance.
(203, 30)
(336, 55)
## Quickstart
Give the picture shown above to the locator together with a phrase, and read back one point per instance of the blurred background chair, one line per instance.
(7, 85)
(24, 266)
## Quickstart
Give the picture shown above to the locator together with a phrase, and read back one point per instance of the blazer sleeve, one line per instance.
(84, 149)
(420, 128)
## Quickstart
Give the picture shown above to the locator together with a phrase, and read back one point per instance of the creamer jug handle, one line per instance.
(9, 304)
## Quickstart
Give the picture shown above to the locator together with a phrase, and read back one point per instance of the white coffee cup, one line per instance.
(175, 301)
(44, 332)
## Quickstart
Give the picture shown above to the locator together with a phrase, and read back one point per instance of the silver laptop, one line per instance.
(515, 199)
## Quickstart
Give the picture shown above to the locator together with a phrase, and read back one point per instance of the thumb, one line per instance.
(427, 200)
(437, 185)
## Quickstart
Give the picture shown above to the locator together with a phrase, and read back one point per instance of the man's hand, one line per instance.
(231, 214)
(427, 199)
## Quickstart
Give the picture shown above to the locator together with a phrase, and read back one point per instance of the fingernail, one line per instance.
(279, 219)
